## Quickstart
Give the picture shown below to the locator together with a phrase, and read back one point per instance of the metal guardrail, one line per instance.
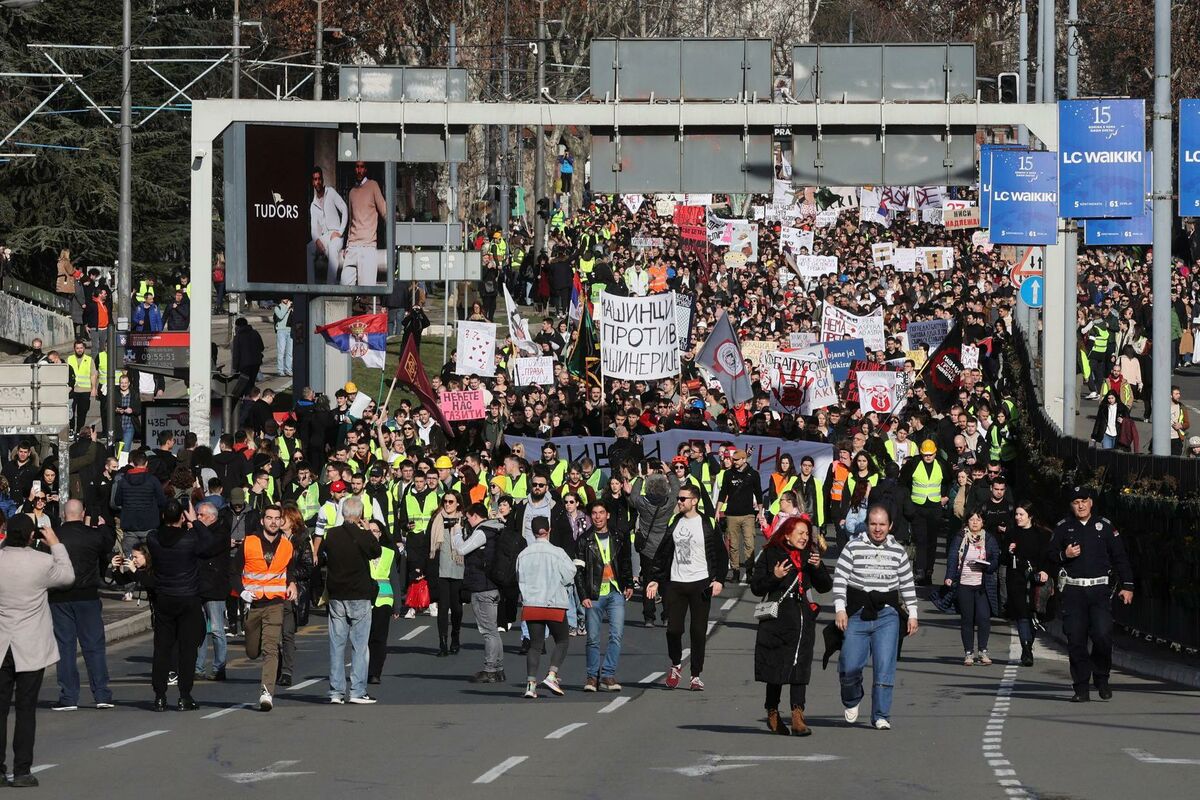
(37, 295)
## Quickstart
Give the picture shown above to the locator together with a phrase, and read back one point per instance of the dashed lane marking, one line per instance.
(226, 710)
(131, 740)
(652, 677)
(564, 730)
(1148, 758)
(614, 705)
(728, 604)
(501, 768)
(993, 735)
(302, 685)
(414, 633)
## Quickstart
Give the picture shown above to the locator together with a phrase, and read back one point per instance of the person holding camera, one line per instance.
(790, 565)
(27, 641)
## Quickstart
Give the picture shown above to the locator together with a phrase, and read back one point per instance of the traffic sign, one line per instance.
(1033, 291)
(1027, 262)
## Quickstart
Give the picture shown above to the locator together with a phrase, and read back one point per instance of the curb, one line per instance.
(127, 628)
(1138, 664)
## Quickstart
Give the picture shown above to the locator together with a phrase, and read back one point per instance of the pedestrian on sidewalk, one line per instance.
(875, 600)
(688, 567)
(544, 573)
(974, 558)
(282, 314)
(604, 583)
(269, 586)
(790, 565)
(347, 551)
(26, 635)
(76, 609)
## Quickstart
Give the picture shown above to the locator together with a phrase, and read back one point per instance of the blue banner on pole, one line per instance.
(841, 354)
(1120, 232)
(1102, 146)
(1189, 158)
(1024, 207)
(985, 179)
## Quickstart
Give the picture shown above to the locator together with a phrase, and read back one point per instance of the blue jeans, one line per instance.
(878, 638)
(613, 604)
(80, 620)
(349, 621)
(1108, 442)
(283, 352)
(214, 615)
(575, 616)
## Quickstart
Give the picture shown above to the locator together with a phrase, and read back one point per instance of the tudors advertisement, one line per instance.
(309, 220)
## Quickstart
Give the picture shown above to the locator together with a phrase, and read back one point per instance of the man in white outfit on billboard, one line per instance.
(328, 217)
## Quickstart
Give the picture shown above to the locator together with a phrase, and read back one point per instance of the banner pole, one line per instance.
(390, 388)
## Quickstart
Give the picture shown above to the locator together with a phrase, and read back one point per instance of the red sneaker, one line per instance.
(673, 677)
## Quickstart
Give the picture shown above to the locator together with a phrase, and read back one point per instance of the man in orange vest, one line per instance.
(268, 585)
(837, 500)
(658, 277)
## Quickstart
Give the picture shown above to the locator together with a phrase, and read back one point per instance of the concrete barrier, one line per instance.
(21, 322)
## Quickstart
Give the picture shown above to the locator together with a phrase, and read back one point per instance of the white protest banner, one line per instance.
(632, 201)
(838, 324)
(646, 242)
(970, 356)
(982, 240)
(743, 238)
(926, 332)
(880, 391)
(904, 259)
(871, 208)
(361, 401)
(638, 337)
(827, 218)
(800, 381)
(758, 212)
(536, 371)
(783, 194)
(882, 253)
(801, 339)
(476, 349)
(931, 216)
(570, 448)
(958, 218)
(950, 205)
(762, 452)
(664, 207)
(734, 260)
(754, 350)
(816, 266)
(936, 259)
(797, 241)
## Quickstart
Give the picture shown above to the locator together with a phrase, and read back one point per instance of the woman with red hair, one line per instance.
(789, 566)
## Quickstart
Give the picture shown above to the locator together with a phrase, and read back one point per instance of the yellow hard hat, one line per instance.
(350, 387)
(928, 448)
(444, 462)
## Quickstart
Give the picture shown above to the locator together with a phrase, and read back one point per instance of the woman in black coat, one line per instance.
(1024, 555)
(783, 648)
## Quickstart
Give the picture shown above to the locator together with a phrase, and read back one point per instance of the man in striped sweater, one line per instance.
(873, 594)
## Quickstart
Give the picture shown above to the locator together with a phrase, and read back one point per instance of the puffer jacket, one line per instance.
(654, 515)
(139, 500)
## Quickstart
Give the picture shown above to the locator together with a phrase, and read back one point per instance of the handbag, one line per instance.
(418, 595)
(769, 609)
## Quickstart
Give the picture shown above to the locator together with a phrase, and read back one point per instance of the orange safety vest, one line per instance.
(658, 278)
(840, 474)
(267, 581)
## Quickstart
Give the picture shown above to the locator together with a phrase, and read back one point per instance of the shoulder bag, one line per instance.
(769, 609)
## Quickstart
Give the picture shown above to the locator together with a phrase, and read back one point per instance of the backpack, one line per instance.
(502, 569)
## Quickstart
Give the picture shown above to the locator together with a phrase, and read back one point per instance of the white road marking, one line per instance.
(131, 740)
(712, 623)
(652, 677)
(564, 730)
(501, 768)
(1147, 758)
(266, 773)
(993, 734)
(41, 768)
(713, 764)
(302, 685)
(228, 710)
(614, 705)
(414, 633)
(728, 604)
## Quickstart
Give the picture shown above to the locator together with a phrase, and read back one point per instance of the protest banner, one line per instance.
(838, 324)
(827, 218)
(982, 240)
(664, 207)
(743, 238)
(970, 356)
(632, 201)
(683, 320)
(695, 236)
(734, 260)
(476, 349)
(638, 337)
(801, 339)
(929, 333)
(958, 218)
(688, 215)
(882, 253)
(904, 259)
(798, 242)
(842, 354)
(816, 266)
(935, 259)
(646, 242)
(878, 391)
(753, 351)
(852, 378)
(570, 448)
(931, 216)
(918, 357)
(462, 405)
(762, 452)
(799, 381)
(534, 371)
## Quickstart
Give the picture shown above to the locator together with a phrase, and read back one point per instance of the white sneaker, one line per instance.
(433, 609)
(882, 725)
(365, 700)
(410, 614)
(851, 714)
(264, 701)
(337, 700)
(531, 689)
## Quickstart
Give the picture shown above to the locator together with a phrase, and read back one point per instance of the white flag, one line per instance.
(476, 349)
(518, 328)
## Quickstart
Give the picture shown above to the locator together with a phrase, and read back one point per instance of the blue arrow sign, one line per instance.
(1033, 291)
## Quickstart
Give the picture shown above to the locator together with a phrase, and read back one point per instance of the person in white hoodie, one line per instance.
(544, 573)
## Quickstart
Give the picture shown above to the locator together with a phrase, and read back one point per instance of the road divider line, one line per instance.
(501, 768)
(41, 768)
(228, 710)
(564, 730)
(302, 685)
(712, 623)
(1002, 771)
(131, 740)
(414, 633)
(614, 705)
(652, 677)
(728, 604)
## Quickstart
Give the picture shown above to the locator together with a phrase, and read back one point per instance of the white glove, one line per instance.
(247, 595)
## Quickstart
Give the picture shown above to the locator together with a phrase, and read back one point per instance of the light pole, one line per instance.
(319, 57)
(122, 290)
(1160, 276)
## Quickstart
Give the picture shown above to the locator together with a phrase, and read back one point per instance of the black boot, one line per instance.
(454, 644)
(443, 651)
(1027, 655)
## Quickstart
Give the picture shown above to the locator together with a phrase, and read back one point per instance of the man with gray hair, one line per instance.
(75, 609)
(347, 552)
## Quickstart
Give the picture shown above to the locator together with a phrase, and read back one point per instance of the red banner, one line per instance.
(689, 215)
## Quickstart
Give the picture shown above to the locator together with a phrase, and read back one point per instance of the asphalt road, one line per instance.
(974, 732)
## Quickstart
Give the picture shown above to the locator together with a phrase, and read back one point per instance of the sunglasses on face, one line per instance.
(540, 485)
(683, 498)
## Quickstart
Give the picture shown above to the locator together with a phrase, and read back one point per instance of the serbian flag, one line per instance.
(364, 336)
(410, 372)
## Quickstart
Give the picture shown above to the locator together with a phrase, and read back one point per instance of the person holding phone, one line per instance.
(789, 566)
(974, 559)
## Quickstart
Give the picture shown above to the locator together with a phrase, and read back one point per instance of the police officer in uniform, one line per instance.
(1087, 549)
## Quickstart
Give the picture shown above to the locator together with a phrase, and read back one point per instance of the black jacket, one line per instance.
(715, 553)
(88, 548)
(347, 551)
(139, 499)
(232, 468)
(216, 572)
(588, 574)
(247, 352)
(477, 563)
(783, 647)
(176, 554)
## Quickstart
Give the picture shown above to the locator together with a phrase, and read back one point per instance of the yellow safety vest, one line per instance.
(420, 516)
(910, 448)
(559, 473)
(381, 571)
(787, 486)
(519, 488)
(270, 485)
(607, 586)
(309, 502)
(1100, 343)
(927, 488)
(586, 265)
(286, 453)
(82, 366)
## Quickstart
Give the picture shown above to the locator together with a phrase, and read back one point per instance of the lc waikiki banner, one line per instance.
(1102, 148)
